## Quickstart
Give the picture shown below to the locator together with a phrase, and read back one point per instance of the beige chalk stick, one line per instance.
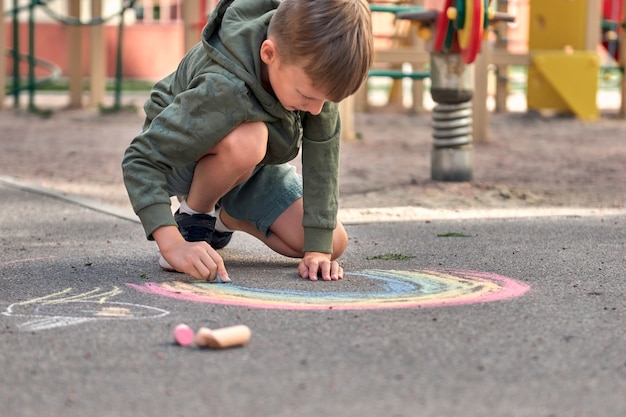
(223, 338)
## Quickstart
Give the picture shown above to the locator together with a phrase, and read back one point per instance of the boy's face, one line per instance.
(291, 86)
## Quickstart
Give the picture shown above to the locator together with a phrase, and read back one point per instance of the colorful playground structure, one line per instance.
(456, 34)
(557, 31)
(562, 61)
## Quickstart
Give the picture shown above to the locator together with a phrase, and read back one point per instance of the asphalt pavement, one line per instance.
(515, 317)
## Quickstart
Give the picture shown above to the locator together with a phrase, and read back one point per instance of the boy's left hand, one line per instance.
(314, 263)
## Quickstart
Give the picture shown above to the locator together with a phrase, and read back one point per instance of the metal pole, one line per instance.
(75, 61)
(2, 58)
(16, 57)
(622, 64)
(31, 55)
(452, 88)
(118, 66)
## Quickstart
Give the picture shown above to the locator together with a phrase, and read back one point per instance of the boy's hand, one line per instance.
(314, 263)
(197, 259)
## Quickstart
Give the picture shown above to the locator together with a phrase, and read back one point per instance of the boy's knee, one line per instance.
(246, 143)
(340, 242)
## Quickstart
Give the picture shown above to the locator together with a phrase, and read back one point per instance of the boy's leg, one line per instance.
(230, 162)
(287, 233)
(269, 206)
(226, 165)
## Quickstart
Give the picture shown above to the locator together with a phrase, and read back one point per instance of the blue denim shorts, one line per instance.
(269, 191)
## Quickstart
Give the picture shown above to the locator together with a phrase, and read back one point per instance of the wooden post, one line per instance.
(480, 128)
(2, 56)
(148, 11)
(594, 23)
(97, 79)
(165, 11)
(75, 62)
(502, 84)
(417, 86)
(191, 9)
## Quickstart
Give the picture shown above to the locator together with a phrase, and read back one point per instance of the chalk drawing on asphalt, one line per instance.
(18, 261)
(65, 309)
(391, 289)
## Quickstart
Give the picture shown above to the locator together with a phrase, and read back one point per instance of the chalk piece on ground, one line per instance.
(183, 335)
(223, 338)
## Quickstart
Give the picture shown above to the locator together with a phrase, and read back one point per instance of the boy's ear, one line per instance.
(268, 51)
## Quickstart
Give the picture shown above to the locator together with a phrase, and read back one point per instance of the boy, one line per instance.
(220, 129)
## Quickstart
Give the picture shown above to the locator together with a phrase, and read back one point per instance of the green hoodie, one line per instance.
(216, 87)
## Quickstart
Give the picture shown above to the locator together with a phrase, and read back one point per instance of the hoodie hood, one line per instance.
(233, 36)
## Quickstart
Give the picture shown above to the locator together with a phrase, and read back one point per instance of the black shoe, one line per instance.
(220, 239)
(201, 227)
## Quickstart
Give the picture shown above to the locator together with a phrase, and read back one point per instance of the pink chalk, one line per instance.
(184, 335)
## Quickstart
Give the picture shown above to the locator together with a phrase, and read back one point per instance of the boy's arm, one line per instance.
(320, 171)
(183, 130)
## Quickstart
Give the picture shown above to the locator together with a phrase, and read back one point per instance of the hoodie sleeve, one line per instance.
(179, 129)
(320, 171)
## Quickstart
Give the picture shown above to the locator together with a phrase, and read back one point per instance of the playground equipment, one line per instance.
(458, 28)
(73, 21)
(562, 58)
(112, 41)
(612, 26)
(562, 42)
(563, 66)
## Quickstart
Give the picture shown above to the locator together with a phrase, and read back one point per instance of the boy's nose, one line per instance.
(314, 107)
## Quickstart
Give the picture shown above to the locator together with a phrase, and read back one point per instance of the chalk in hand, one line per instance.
(183, 335)
(223, 338)
(221, 280)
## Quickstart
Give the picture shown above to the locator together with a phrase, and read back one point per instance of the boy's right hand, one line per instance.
(197, 259)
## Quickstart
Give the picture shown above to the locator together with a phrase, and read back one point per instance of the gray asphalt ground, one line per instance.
(78, 337)
(559, 350)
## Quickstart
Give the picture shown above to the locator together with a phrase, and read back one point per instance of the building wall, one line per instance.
(149, 51)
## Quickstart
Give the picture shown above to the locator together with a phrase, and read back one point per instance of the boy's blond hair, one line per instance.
(331, 40)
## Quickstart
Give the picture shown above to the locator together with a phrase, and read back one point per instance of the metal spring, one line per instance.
(452, 124)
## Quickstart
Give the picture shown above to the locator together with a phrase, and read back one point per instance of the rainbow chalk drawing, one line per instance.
(63, 309)
(392, 289)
